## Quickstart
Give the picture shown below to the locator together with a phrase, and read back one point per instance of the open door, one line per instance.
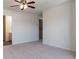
(7, 33)
(40, 29)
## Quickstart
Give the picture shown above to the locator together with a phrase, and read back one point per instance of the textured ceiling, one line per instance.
(40, 5)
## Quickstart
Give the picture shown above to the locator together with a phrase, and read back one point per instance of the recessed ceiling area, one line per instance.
(40, 5)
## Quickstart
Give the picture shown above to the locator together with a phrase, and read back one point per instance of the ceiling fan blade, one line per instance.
(31, 7)
(14, 6)
(32, 2)
(21, 1)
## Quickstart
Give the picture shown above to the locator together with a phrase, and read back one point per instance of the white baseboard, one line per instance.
(14, 43)
(68, 49)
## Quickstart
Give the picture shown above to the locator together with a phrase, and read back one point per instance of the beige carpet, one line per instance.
(35, 50)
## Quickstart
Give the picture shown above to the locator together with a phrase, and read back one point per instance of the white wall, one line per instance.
(24, 26)
(59, 26)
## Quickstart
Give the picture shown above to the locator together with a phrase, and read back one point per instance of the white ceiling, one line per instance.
(40, 5)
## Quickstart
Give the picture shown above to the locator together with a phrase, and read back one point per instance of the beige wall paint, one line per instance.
(59, 27)
(24, 26)
(8, 27)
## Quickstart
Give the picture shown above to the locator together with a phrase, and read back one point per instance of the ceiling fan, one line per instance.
(24, 4)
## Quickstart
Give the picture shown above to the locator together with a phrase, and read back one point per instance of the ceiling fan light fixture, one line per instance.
(21, 6)
(25, 6)
(19, 0)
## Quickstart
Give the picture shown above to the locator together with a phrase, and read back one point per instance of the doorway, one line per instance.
(7, 32)
(40, 29)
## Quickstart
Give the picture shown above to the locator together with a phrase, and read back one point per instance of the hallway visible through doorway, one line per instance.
(7, 33)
